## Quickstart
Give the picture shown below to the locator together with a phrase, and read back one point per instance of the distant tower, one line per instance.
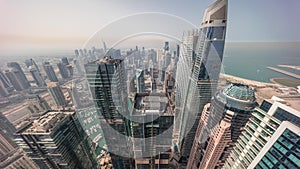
(167, 59)
(167, 47)
(15, 79)
(65, 60)
(31, 62)
(56, 140)
(140, 81)
(220, 125)
(50, 72)
(63, 70)
(3, 90)
(10, 155)
(5, 81)
(104, 47)
(37, 77)
(56, 94)
(21, 75)
(6, 126)
(198, 68)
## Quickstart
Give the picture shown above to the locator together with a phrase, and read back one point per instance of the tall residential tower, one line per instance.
(198, 69)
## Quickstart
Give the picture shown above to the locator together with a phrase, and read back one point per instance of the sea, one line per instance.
(242, 59)
(250, 59)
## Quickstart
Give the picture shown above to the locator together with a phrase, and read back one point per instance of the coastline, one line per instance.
(254, 83)
(286, 82)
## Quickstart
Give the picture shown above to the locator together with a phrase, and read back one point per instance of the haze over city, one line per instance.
(49, 27)
(197, 84)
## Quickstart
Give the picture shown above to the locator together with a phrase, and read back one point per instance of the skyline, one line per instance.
(149, 90)
(51, 27)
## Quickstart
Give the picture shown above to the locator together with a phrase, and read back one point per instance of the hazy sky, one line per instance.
(35, 26)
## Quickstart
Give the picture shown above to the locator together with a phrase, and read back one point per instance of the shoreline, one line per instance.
(249, 82)
(288, 82)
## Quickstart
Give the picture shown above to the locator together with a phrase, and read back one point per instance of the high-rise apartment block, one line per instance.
(107, 81)
(220, 125)
(56, 94)
(259, 136)
(20, 75)
(38, 78)
(56, 140)
(198, 68)
(152, 127)
(50, 72)
(140, 81)
(11, 157)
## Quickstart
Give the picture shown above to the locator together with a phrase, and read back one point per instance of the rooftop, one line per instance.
(47, 122)
(52, 84)
(106, 60)
(154, 103)
(216, 11)
(240, 92)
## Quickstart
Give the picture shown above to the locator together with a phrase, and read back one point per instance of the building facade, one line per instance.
(21, 75)
(220, 125)
(259, 130)
(282, 150)
(37, 77)
(198, 68)
(151, 125)
(56, 140)
(50, 72)
(56, 94)
(107, 82)
(11, 156)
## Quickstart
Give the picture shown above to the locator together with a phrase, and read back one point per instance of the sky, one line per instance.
(38, 27)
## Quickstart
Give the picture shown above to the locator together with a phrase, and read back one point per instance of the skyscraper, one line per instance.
(15, 79)
(37, 77)
(50, 72)
(151, 129)
(5, 82)
(140, 81)
(220, 125)
(198, 68)
(21, 75)
(63, 70)
(282, 150)
(31, 62)
(10, 155)
(259, 136)
(6, 126)
(107, 82)
(56, 140)
(65, 60)
(56, 94)
(3, 90)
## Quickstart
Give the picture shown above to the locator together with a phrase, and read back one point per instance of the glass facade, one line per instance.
(284, 154)
(284, 115)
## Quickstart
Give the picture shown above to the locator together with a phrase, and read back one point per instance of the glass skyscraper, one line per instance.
(198, 69)
(107, 82)
(260, 134)
(282, 150)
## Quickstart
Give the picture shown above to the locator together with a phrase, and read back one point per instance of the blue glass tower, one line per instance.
(198, 69)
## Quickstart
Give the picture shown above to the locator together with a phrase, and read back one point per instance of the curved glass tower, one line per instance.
(198, 69)
(220, 125)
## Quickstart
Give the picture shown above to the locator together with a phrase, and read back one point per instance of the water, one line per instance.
(250, 60)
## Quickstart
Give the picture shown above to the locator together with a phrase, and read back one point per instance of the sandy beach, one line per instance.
(253, 83)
